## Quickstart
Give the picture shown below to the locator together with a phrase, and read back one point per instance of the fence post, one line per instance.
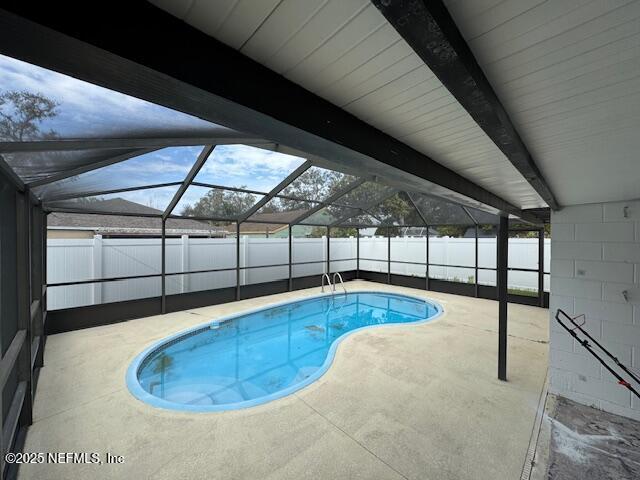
(325, 259)
(389, 256)
(329, 250)
(184, 265)
(427, 259)
(97, 269)
(244, 253)
(406, 266)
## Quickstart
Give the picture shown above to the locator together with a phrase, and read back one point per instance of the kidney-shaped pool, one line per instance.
(258, 356)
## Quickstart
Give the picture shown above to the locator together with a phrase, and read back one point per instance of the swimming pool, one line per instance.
(255, 357)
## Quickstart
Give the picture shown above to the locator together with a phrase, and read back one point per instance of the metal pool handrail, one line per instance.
(325, 275)
(341, 282)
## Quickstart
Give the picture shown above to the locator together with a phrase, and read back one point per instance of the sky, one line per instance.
(86, 110)
(228, 166)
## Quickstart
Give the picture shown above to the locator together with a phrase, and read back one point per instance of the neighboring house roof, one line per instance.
(127, 225)
(276, 222)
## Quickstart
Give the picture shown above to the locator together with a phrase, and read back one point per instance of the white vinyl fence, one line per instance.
(71, 260)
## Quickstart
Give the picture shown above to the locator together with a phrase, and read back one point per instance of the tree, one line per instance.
(396, 209)
(529, 233)
(220, 203)
(451, 230)
(316, 184)
(21, 113)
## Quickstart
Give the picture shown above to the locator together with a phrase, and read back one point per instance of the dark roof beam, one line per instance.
(200, 161)
(71, 196)
(277, 189)
(118, 143)
(431, 32)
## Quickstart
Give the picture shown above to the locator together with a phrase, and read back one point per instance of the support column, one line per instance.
(237, 261)
(357, 253)
(503, 250)
(476, 274)
(163, 263)
(24, 321)
(427, 259)
(388, 256)
(290, 259)
(43, 279)
(541, 267)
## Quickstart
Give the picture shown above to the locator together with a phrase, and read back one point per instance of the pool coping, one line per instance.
(139, 393)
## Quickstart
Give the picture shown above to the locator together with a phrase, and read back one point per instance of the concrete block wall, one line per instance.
(595, 270)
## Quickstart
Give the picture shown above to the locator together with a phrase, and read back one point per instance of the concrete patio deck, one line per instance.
(412, 402)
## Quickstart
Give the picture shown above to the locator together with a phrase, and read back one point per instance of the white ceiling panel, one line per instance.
(344, 60)
(568, 73)
(279, 28)
(346, 52)
(322, 26)
(387, 94)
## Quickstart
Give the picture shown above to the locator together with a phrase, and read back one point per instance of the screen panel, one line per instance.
(214, 203)
(33, 166)
(317, 184)
(397, 210)
(329, 215)
(439, 212)
(309, 250)
(366, 195)
(167, 165)
(280, 209)
(247, 168)
(148, 201)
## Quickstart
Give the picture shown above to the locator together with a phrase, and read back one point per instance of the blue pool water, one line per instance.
(256, 357)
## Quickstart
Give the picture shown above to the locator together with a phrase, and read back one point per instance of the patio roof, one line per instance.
(332, 138)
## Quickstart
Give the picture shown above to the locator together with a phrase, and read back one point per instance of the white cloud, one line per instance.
(255, 168)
